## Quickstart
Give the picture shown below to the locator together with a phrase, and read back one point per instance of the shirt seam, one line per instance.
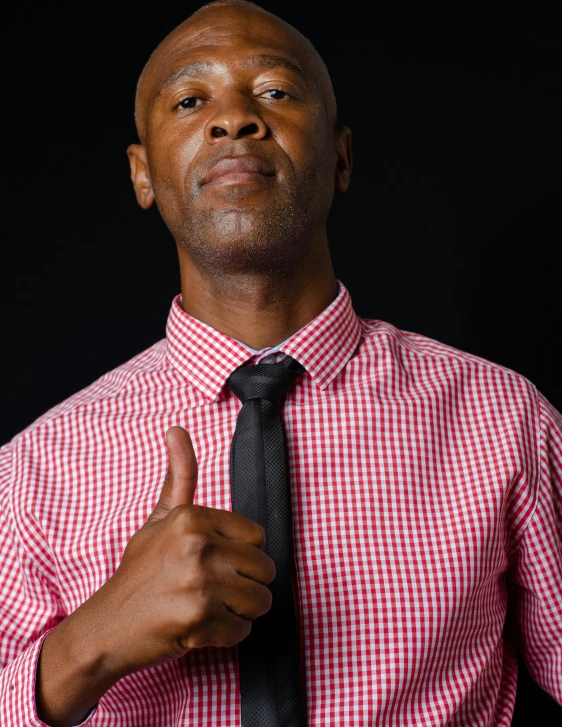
(27, 432)
(20, 541)
(537, 482)
(456, 354)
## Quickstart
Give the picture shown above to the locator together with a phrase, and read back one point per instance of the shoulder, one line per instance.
(430, 362)
(105, 391)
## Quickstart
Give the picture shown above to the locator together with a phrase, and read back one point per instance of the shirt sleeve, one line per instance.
(537, 575)
(29, 610)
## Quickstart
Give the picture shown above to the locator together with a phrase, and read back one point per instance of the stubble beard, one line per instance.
(273, 240)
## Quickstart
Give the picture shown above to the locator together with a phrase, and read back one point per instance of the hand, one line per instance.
(192, 576)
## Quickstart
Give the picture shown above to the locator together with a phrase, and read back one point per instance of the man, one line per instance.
(425, 483)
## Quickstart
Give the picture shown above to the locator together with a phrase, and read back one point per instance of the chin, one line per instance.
(247, 241)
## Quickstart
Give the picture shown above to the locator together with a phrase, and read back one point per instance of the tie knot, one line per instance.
(264, 381)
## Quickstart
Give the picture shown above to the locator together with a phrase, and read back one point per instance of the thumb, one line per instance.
(181, 478)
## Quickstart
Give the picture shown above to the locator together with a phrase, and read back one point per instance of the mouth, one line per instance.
(239, 170)
(238, 178)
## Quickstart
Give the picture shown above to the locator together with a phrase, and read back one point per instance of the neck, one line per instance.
(259, 309)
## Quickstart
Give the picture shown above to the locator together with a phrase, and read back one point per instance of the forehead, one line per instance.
(227, 35)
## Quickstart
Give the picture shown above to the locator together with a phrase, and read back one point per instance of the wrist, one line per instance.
(70, 679)
(88, 639)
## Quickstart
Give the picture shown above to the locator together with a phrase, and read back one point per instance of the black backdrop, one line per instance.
(451, 227)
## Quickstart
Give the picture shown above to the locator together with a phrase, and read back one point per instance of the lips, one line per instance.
(238, 169)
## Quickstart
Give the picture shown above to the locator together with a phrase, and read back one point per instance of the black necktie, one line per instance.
(269, 657)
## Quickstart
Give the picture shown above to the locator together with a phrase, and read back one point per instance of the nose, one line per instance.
(236, 118)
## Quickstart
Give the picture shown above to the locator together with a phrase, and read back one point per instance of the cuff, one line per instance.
(17, 682)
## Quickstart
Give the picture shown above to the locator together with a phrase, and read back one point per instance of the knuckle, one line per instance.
(203, 608)
(197, 544)
(200, 613)
(181, 516)
(198, 639)
(200, 587)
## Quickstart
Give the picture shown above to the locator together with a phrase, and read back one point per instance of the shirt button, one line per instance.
(268, 359)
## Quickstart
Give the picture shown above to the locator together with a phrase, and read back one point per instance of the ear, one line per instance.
(342, 139)
(140, 175)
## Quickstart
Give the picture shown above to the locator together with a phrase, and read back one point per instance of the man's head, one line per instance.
(240, 146)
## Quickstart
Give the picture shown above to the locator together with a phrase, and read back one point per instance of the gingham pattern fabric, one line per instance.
(427, 491)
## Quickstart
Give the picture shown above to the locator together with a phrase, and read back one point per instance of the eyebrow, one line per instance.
(270, 60)
(260, 60)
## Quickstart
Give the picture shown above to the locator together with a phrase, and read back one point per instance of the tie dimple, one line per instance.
(264, 381)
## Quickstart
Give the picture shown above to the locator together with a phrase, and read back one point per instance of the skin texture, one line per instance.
(254, 257)
(254, 263)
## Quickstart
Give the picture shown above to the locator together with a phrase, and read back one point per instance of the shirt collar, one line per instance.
(269, 349)
(206, 357)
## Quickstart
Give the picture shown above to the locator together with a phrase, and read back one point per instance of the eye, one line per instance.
(277, 94)
(189, 102)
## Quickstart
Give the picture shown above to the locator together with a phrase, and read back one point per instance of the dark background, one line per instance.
(451, 227)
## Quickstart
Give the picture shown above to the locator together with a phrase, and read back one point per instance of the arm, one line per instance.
(537, 572)
(191, 577)
(42, 655)
(71, 677)
(29, 610)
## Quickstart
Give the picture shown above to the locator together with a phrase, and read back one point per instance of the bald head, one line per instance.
(209, 26)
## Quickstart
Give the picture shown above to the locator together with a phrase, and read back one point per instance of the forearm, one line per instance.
(71, 674)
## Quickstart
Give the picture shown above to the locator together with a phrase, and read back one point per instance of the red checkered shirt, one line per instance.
(426, 485)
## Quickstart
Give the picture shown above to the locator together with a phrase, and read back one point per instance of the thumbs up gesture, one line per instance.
(192, 576)
(181, 479)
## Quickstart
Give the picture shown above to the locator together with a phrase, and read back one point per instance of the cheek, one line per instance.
(308, 151)
(314, 143)
(170, 153)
